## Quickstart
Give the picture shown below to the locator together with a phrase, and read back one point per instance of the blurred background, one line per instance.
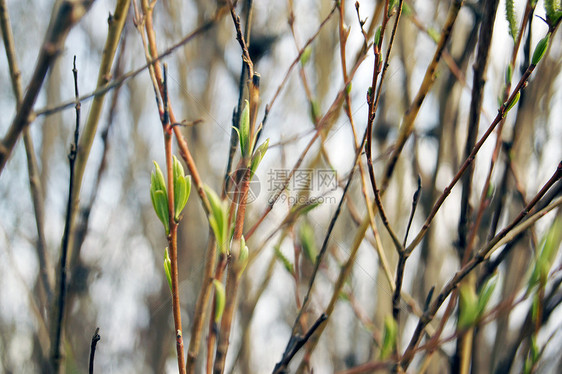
(117, 282)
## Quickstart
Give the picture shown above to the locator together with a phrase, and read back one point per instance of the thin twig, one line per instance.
(59, 305)
(296, 343)
(95, 339)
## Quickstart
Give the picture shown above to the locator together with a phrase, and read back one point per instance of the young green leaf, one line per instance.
(540, 50)
(182, 188)
(513, 102)
(378, 36)
(284, 260)
(548, 249)
(218, 219)
(244, 256)
(258, 156)
(244, 131)
(508, 74)
(220, 299)
(314, 111)
(159, 197)
(305, 56)
(468, 306)
(486, 294)
(168, 268)
(434, 34)
(391, 7)
(308, 241)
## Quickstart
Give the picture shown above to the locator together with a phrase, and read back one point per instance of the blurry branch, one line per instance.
(201, 304)
(411, 114)
(116, 23)
(82, 225)
(42, 328)
(551, 301)
(66, 13)
(32, 167)
(405, 131)
(248, 311)
(322, 123)
(287, 74)
(501, 114)
(343, 274)
(478, 82)
(95, 339)
(461, 359)
(504, 236)
(123, 78)
(59, 304)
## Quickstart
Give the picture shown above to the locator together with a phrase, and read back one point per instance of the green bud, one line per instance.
(244, 255)
(508, 74)
(406, 10)
(391, 7)
(490, 191)
(511, 18)
(218, 219)
(305, 56)
(314, 111)
(540, 49)
(535, 350)
(258, 156)
(244, 131)
(308, 241)
(434, 34)
(513, 102)
(159, 196)
(378, 36)
(168, 268)
(182, 188)
(284, 260)
(220, 299)
(389, 338)
(549, 245)
(553, 11)
(486, 294)
(348, 88)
